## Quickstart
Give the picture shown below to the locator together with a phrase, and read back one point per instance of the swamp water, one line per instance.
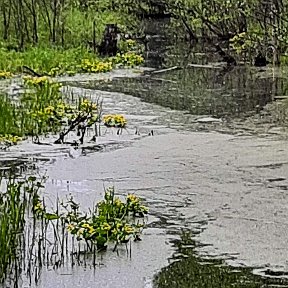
(211, 195)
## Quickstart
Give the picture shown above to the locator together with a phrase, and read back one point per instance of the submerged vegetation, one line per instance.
(30, 234)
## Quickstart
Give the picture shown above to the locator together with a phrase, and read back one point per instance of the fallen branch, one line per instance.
(204, 66)
(34, 73)
(72, 126)
(165, 70)
(164, 80)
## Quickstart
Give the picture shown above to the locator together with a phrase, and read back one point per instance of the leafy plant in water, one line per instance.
(114, 120)
(112, 219)
(129, 59)
(42, 110)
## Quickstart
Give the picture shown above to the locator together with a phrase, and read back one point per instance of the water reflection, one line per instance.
(217, 92)
(226, 91)
(189, 270)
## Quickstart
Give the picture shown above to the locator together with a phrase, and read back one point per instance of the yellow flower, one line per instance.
(106, 227)
(5, 75)
(115, 120)
(70, 227)
(91, 230)
(118, 202)
(49, 109)
(128, 229)
(80, 232)
(39, 207)
(132, 198)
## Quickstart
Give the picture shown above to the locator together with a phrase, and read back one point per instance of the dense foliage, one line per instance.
(250, 27)
(68, 23)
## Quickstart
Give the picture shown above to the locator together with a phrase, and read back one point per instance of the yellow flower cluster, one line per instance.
(132, 198)
(131, 42)
(5, 75)
(129, 59)
(134, 205)
(82, 230)
(106, 227)
(87, 106)
(35, 80)
(114, 120)
(110, 221)
(60, 111)
(118, 202)
(10, 139)
(89, 228)
(95, 67)
(40, 81)
(38, 207)
(128, 229)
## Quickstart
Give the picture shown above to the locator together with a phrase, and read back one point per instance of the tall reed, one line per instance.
(15, 196)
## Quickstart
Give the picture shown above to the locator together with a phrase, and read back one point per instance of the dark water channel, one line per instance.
(217, 90)
(218, 202)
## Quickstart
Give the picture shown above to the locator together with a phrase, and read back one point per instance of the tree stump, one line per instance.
(260, 60)
(108, 46)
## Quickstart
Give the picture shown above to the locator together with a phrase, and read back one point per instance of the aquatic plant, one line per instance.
(48, 237)
(95, 66)
(42, 110)
(110, 221)
(15, 198)
(114, 120)
(5, 75)
(9, 139)
(129, 59)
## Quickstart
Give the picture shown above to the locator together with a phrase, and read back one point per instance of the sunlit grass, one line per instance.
(58, 61)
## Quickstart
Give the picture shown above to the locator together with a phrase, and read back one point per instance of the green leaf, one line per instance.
(51, 216)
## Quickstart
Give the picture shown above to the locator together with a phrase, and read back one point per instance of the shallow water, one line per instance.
(228, 188)
(216, 184)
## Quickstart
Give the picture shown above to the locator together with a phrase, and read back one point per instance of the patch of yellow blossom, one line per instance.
(5, 75)
(10, 139)
(114, 120)
(95, 66)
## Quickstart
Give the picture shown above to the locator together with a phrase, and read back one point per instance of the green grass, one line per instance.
(43, 59)
(58, 61)
(24, 118)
